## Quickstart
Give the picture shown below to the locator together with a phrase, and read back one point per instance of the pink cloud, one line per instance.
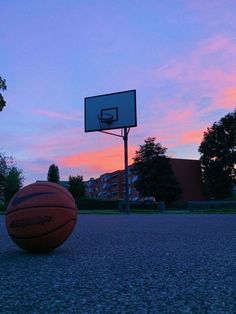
(191, 65)
(196, 76)
(218, 76)
(227, 98)
(105, 160)
(214, 44)
(59, 140)
(170, 128)
(182, 115)
(192, 137)
(57, 115)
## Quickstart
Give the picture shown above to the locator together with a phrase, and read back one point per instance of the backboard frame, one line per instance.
(129, 93)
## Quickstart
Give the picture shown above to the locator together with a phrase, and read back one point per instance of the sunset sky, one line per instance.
(179, 55)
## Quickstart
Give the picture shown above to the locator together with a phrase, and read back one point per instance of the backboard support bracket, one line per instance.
(115, 134)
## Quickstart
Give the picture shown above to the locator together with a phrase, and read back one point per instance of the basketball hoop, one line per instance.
(105, 113)
(106, 118)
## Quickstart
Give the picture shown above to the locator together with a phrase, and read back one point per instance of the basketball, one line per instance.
(41, 216)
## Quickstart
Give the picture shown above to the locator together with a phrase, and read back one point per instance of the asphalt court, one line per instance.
(126, 264)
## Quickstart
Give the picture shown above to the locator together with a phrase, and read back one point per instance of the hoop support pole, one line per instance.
(124, 135)
(126, 198)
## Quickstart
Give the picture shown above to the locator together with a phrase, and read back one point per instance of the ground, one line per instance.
(126, 264)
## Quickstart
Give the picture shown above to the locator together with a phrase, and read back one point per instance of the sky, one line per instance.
(179, 56)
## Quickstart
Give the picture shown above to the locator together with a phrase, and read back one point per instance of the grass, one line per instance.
(99, 211)
(167, 211)
(151, 211)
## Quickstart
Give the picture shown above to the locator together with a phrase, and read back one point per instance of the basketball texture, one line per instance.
(41, 216)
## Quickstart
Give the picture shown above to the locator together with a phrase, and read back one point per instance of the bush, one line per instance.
(232, 198)
(143, 205)
(3, 206)
(94, 203)
(178, 205)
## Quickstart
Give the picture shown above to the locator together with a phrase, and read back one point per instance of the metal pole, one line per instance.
(126, 198)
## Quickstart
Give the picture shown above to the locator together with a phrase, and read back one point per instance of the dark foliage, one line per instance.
(155, 175)
(94, 203)
(13, 182)
(11, 178)
(77, 186)
(3, 86)
(53, 174)
(218, 157)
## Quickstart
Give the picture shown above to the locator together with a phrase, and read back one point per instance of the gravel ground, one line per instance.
(126, 264)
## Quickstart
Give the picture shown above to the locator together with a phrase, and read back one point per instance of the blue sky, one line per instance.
(179, 55)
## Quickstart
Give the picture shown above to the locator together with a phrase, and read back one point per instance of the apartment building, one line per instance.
(112, 185)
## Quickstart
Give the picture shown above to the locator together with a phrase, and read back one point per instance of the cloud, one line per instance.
(57, 115)
(192, 137)
(182, 115)
(52, 143)
(215, 44)
(172, 71)
(227, 98)
(206, 72)
(105, 160)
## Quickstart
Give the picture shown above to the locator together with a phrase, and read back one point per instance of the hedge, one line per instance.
(94, 203)
(2, 207)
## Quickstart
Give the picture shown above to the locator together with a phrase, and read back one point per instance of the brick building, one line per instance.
(112, 185)
(188, 173)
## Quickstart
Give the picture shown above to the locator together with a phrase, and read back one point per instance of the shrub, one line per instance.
(3, 206)
(94, 203)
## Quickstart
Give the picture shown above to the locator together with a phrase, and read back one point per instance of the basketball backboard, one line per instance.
(110, 111)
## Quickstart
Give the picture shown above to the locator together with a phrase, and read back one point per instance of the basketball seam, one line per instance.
(44, 234)
(39, 206)
(56, 188)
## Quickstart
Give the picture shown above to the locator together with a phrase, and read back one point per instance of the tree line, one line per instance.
(76, 183)
(11, 179)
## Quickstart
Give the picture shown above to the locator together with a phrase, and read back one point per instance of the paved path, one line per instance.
(126, 264)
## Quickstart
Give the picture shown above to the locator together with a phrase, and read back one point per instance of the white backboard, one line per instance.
(110, 111)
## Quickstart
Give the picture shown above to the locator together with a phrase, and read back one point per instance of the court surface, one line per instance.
(126, 264)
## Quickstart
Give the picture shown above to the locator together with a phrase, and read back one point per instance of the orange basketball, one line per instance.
(41, 216)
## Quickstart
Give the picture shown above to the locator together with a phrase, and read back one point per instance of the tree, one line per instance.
(5, 165)
(11, 178)
(53, 174)
(3, 173)
(13, 182)
(155, 175)
(3, 86)
(77, 186)
(218, 157)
